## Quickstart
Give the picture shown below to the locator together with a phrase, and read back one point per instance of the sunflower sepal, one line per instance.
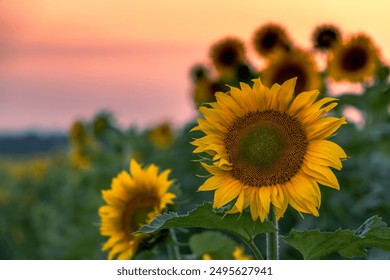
(314, 244)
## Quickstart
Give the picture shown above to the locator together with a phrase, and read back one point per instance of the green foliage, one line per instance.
(217, 245)
(240, 225)
(314, 244)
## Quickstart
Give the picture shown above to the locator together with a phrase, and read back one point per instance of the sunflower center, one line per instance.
(270, 40)
(136, 212)
(354, 59)
(261, 146)
(139, 216)
(265, 148)
(289, 71)
(228, 57)
(326, 38)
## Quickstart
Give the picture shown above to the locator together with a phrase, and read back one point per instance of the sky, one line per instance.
(68, 59)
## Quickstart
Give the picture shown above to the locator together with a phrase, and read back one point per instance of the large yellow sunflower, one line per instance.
(133, 200)
(287, 65)
(227, 55)
(355, 60)
(269, 147)
(270, 38)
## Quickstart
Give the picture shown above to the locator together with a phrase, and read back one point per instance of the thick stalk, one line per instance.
(273, 237)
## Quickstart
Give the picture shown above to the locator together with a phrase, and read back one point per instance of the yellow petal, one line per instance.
(227, 193)
(324, 128)
(135, 168)
(265, 198)
(302, 101)
(215, 182)
(286, 93)
(321, 174)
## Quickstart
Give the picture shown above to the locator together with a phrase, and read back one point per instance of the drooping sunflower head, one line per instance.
(198, 73)
(269, 147)
(133, 200)
(325, 36)
(78, 133)
(226, 55)
(162, 136)
(270, 38)
(295, 63)
(102, 123)
(204, 91)
(355, 60)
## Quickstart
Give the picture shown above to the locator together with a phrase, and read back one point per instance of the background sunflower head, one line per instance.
(226, 55)
(295, 63)
(325, 36)
(162, 136)
(269, 147)
(199, 72)
(78, 133)
(270, 38)
(354, 60)
(134, 199)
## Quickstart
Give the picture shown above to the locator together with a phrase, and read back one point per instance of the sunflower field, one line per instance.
(287, 160)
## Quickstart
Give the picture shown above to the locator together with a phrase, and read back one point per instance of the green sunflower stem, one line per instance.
(255, 250)
(273, 237)
(175, 247)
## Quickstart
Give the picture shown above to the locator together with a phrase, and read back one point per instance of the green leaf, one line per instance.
(204, 216)
(217, 245)
(313, 244)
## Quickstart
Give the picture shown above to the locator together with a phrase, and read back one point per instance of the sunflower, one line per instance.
(325, 36)
(204, 90)
(269, 147)
(79, 158)
(295, 63)
(198, 73)
(133, 200)
(102, 124)
(78, 133)
(238, 254)
(226, 55)
(162, 136)
(355, 60)
(269, 38)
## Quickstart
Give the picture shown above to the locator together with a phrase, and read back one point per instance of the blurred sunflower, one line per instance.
(78, 133)
(269, 147)
(79, 158)
(101, 124)
(325, 36)
(226, 55)
(198, 73)
(355, 60)
(162, 136)
(270, 38)
(296, 63)
(238, 254)
(203, 91)
(133, 200)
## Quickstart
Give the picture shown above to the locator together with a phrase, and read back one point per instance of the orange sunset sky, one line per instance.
(67, 59)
